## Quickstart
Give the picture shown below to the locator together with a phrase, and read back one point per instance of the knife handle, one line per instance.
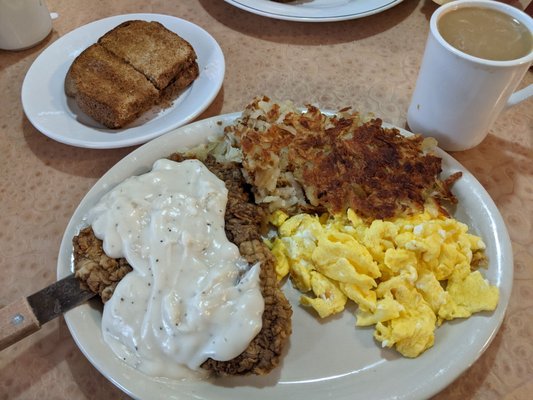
(17, 321)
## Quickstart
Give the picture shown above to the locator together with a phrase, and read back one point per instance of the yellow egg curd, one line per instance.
(407, 275)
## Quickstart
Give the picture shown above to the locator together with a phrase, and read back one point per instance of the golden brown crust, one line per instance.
(373, 170)
(338, 161)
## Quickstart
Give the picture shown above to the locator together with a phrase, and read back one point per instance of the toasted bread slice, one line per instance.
(133, 67)
(185, 77)
(156, 52)
(107, 89)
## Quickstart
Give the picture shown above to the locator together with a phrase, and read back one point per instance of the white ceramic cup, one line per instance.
(457, 96)
(23, 23)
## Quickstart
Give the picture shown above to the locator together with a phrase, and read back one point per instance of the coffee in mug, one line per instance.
(476, 54)
(486, 33)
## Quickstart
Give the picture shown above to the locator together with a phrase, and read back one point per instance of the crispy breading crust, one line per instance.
(244, 222)
(98, 272)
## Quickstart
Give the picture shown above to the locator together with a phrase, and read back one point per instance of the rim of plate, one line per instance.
(303, 13)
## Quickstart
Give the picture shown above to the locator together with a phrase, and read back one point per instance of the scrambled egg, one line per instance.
(407, 274)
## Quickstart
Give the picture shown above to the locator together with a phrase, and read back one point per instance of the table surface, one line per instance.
(369, 63)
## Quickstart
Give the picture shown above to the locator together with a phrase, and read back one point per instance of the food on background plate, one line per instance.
(392, 248)
(132, 68)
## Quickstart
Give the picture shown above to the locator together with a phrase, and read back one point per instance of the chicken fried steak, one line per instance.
(244, 221)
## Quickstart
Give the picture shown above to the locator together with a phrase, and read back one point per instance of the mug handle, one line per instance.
(520, 96)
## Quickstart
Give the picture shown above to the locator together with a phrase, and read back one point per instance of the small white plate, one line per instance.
(57, 116)
(315, 10)
(325, 359)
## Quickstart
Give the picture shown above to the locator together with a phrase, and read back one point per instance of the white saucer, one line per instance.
(51, 112)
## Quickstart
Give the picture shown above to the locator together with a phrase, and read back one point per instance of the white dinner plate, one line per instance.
(52, 113)
(315, 10)
(324, 359)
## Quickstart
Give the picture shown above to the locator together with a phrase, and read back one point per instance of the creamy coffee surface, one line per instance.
(486, 33)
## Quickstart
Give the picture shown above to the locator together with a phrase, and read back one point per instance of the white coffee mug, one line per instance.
(457, 96)
(23, 23)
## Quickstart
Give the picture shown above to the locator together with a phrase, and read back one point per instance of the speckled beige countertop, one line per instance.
(370, 63)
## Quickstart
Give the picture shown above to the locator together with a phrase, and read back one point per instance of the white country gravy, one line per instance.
(190, 295)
